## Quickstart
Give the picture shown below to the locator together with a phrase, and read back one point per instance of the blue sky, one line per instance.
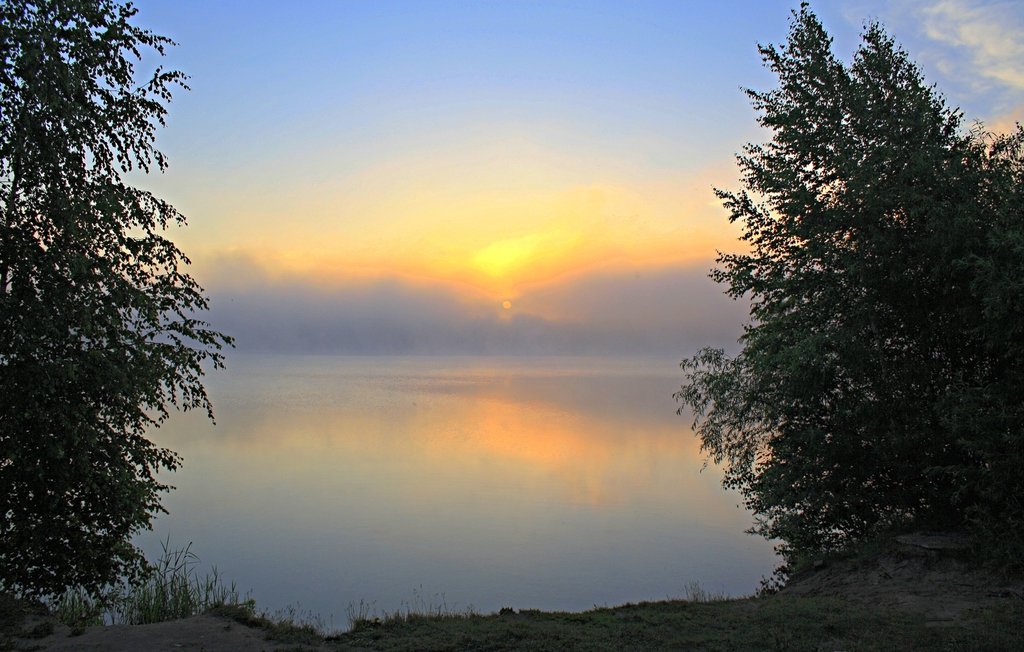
(493, 153)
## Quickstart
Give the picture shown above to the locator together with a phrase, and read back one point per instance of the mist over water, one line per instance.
(665, 311)
(552, 483)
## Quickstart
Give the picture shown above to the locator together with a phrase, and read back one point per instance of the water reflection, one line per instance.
(552, 483)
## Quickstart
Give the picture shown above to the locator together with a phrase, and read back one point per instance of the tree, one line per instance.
(99, 334)
(880, 378)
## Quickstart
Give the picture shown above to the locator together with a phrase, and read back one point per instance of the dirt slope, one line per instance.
(924, 573)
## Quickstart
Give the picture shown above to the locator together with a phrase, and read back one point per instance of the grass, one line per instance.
(695, 592)
(769, 623)
(174, 589)
(77, 609)
(364, 615)
(703, 620)
(288, 626)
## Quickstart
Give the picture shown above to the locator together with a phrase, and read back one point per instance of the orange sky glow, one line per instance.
(497, 152)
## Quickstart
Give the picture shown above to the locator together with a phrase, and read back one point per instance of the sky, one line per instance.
(496, 177)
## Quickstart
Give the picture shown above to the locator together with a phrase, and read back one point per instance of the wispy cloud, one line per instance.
(985, 37)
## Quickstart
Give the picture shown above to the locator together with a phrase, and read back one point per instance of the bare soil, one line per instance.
(924, 573)
(207, 633)
(915, 590)
(30, 626)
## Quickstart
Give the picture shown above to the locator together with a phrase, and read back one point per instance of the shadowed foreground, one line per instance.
(908, 595)
(775, 623)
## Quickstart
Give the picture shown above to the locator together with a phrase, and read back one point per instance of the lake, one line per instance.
(550, 483)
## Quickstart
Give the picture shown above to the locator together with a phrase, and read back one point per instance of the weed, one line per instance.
(694, 592)
(772, 584)
(361, 614)
(290, 625)
(364, 615)
(172, 589)
(77, 609)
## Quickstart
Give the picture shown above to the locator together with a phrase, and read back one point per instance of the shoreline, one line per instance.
(901, 597)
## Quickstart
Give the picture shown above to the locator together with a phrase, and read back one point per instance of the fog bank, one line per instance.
(661, 311)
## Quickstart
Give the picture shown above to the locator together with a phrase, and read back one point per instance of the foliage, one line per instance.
(98, 328)
(880, 377)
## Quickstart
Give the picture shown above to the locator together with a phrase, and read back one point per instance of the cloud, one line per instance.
(987, 34)
(658, 311)
(662, 302)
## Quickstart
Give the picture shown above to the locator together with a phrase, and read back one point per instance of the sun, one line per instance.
(504, 257)
(506, 304)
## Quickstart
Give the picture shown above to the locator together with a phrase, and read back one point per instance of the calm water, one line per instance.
(555, 483)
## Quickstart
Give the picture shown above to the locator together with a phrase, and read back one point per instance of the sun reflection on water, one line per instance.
(556, 484)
